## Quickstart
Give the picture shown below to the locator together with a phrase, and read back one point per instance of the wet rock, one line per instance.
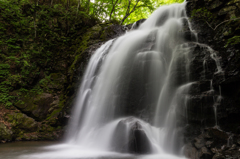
(234, 146)
(199, 87)
(238, 141)
(218, 156)
(185, 24)
(225, 82)
(136, 140)
(205, 153)
(219, 134)
(139, 143)
(189, 36)
(209, 144)
(137, 24)
(214, 150)
(201, 110)
(199, 142)
(191, 152)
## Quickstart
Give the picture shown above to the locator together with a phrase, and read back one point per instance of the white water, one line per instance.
(131, 94)
(213, 55)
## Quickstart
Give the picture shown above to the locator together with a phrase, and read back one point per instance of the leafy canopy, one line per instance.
(124, 11)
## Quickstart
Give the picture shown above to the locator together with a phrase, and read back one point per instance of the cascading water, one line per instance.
(132, 92)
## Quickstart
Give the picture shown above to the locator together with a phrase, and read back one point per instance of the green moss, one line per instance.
(54, 113)
(96, 32)
(53, 81)
(5, 133)
(233, 41)
(21, 123)
(26, 103)
(203, 14)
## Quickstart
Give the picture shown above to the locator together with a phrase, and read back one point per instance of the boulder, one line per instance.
(131, 138)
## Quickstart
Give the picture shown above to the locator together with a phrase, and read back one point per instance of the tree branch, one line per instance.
(219, 23)
(128, 12)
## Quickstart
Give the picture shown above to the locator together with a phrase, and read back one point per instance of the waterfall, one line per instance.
(137, 88)
(134, 92)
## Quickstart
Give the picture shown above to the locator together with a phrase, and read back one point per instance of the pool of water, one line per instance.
(57, 150)
(16, 150)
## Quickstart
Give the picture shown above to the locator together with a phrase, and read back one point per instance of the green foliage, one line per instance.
(126, 11)
(32, 38)
(233, 41)
(203, 14)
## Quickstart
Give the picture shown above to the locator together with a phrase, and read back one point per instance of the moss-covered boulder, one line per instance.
(20, 122)
(36, 106)
(5, 133)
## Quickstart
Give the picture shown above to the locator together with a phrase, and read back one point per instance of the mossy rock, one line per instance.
(227, 10)
(46, 128)
(83, 43)
(215, 4)
(27, 136)
(21, 122)
(43, 102)
(36, 106)
(5, 133)
(47, 132)
(57, 81)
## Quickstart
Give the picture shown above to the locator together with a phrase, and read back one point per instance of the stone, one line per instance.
(137, 24)
(214, 150)
(36, 105)
(215, 4)
(5, 133)
(205, 153)
(137, 141)
(223, 147)
(21, 122)
(191, 152)
(218, 156)
(216, 133)
(199, 143)
(228, 112)
(43, 103)
(238, 141)
(209, 144)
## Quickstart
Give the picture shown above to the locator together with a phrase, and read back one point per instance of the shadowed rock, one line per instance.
(131, 138)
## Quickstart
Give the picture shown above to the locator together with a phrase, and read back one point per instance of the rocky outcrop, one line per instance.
(213, 143)
(214, 105)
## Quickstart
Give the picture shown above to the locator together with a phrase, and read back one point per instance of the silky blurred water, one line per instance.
(35, 149)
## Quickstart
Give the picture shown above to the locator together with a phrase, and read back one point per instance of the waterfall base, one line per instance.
(69, 151)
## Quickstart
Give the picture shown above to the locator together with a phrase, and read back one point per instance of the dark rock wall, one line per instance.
(216, 24)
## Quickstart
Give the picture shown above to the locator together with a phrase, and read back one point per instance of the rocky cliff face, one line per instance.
(42, 115)
(214, 105)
